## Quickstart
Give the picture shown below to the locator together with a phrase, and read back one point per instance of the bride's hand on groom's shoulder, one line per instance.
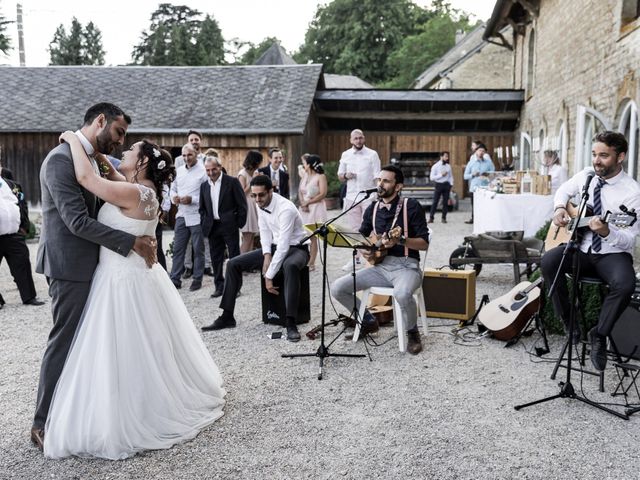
(66, 136)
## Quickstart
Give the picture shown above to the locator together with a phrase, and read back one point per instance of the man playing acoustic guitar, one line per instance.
(399, 267)
(605, 250)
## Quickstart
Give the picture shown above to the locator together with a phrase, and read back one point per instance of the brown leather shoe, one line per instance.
(414, 344)
(37, 437)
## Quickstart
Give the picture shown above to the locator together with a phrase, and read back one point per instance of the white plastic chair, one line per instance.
(398, 319)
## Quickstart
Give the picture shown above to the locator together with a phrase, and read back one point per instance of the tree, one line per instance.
(5, 40)
(419, 51)
(177, 36)
(82, 46)
(356, 36)
(255, 51)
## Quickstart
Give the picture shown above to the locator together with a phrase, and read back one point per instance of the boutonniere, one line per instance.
(19, 195)
(104, 169)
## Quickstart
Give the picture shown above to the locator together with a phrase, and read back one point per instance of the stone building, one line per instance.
(578, 63)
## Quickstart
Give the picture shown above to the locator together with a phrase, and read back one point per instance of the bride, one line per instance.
(138, 376)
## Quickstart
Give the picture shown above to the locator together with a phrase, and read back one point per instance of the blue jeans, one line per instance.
(181, 237)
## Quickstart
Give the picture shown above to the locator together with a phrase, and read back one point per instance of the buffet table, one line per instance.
(510, 213)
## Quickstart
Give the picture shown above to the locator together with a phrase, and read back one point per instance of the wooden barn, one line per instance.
(238, 108)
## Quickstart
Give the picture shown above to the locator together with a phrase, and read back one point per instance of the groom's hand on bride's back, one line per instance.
(146, 247)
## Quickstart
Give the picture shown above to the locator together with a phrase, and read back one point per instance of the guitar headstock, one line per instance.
(621, 220)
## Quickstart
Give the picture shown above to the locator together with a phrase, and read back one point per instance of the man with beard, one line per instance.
(70, 243)
(605, 251)
(358, 168)
(443, 177)
(400, 267)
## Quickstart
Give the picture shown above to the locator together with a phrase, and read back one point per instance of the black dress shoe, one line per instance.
(34, 301)
(220, 323)
(216, 294)
(414, 344)
(177, 284)
(187, 273)
(598, 350)
(469, 221)
(195, 285)
(292, 333)
(37, 437)
(444, 220)
(208, 271)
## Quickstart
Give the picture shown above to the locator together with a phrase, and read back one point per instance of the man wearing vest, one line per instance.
(400, 268)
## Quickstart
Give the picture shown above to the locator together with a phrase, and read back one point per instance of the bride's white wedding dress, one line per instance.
(138, 376)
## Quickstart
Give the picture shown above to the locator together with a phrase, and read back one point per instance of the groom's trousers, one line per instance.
(67, 303)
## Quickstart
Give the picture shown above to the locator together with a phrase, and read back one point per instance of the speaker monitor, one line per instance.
(450, 293)
(626, 332)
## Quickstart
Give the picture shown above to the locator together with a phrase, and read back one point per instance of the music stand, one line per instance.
(338, 239)
(566, 388)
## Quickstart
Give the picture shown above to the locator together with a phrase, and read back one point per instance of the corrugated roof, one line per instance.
(225, 100)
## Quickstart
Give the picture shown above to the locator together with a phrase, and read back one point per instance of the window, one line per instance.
(561, 143)
(525, 151)
(530, 62)
(630, 128)
(589, 122)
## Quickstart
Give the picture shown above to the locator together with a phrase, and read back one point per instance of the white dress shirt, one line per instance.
(9, 210)
(179, 161)
(365, 163)
(619, 190)
(558, 175)
(86, 144)
(441, 173)
(215, 195)
(281, 225)
(187, 182)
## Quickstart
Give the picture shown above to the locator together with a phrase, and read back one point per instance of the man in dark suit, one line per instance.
(70, 244)
(223, 211)
(278, 175)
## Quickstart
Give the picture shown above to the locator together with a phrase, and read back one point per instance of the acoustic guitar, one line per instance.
(379, 252)
(507, 315)
(559, 235)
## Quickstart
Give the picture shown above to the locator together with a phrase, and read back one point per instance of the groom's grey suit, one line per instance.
(67, 255)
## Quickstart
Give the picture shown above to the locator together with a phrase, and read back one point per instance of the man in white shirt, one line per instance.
(185, 193)
(359, 167)
(194, 138)
(443, 177)
(281, 231)
(605, 250)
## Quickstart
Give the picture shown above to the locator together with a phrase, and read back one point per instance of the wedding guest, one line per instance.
(312, 191)
(194, 138)
(249, 170)
(443, 177)
(475, 172)
(551, 164)
(277, 172)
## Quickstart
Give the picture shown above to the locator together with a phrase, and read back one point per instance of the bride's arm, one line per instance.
(122, 194)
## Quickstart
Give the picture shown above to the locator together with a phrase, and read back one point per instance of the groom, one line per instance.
(70, 243)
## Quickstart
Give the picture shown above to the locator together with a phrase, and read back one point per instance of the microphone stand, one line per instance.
(323, 350)
(566, 388)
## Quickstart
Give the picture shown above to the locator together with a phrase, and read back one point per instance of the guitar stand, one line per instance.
(468, 323)
(538, 325)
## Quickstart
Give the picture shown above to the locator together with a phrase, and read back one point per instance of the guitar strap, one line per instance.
(405, 229)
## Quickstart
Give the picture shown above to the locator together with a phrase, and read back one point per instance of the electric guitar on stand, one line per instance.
(507, 315)
(559, 235)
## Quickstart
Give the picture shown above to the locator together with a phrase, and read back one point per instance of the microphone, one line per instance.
(369, 191)
(590, 176)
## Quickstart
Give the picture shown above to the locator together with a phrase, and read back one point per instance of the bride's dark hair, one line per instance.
(160, 169)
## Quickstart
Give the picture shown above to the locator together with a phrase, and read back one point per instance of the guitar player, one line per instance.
(605, 250)
(400, 266)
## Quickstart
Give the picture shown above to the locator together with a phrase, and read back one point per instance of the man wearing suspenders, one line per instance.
(400, 267)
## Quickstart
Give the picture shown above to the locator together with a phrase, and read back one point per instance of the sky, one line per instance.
(122, 22)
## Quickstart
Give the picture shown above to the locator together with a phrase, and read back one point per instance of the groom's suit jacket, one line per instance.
(232, 205)
(71, 236)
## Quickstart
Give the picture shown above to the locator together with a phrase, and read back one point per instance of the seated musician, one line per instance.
(605, 250)
(400, 267)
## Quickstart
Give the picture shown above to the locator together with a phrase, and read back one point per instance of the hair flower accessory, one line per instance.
(156, 152)
(161, 164)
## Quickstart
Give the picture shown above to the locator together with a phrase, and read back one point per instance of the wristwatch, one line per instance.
(402, 240)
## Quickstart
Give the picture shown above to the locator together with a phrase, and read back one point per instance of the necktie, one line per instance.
(596, 241)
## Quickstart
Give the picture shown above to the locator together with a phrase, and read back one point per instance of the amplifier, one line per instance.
(273, 309)
(450, 293)
(626, 332)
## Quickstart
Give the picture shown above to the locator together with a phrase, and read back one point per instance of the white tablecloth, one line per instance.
(510, 213)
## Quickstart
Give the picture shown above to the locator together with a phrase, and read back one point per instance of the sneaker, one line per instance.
(598, 350)
(414, 344)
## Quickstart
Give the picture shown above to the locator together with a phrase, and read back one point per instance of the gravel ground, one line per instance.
(446, 413)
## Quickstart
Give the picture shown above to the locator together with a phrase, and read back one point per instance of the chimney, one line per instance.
(20, 35)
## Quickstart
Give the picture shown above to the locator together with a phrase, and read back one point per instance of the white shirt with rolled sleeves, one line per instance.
(188, 182)
(365, 163)
(619, 190)
(280, 225)
(441, 173)
(9, 210)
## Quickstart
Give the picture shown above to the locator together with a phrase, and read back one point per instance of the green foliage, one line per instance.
(355, 37)
(177, 36)
(82, 46)
(5, 41)
(333, 182)
(418, 52)
(255, 51)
